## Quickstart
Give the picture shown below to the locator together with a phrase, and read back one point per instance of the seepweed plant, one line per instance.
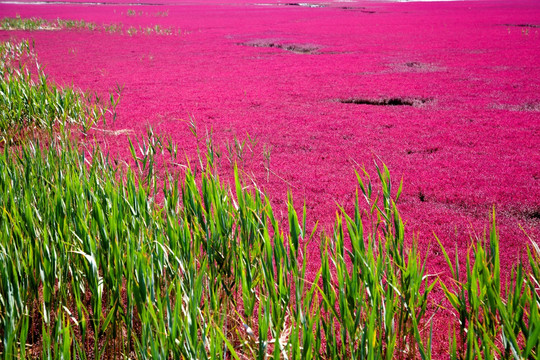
(99, 260)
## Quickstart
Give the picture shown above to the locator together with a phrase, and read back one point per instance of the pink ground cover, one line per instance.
(471, 70)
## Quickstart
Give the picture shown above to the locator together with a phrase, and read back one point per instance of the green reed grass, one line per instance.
(29, 100)
(98, 261)
(35, 24)
(132, 12)
(497, 317)
(9, 23)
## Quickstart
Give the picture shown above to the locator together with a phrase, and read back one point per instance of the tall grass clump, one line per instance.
(29, 100)
(93, 264)
(35, 24)
(10, 23)
(98, 261)
(498, 314)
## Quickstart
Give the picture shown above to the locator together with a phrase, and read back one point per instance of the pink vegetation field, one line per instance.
(446, 94)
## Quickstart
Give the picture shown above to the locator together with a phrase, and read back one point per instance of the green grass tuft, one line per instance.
(28, 100)
(35, 24)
